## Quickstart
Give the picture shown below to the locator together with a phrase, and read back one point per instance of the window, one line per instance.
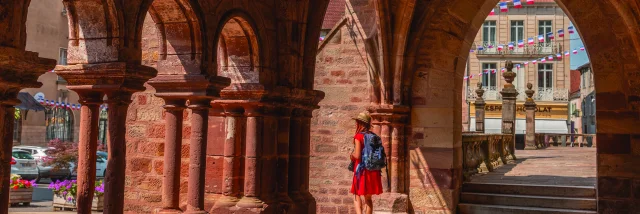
(21, 155)
(489, 32)
(59, 123)
(544, 27)
(17, 128)
(489, 79)
(62, 59)
(545, 76)
(517, 31)
(102, 127)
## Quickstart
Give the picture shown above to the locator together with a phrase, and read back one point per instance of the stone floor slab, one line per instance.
(566, 166)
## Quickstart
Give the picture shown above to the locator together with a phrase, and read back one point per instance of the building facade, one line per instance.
(48, 34)
(587, 100)
(506, 36)
(575, 103)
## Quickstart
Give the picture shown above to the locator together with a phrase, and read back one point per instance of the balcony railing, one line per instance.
(485, 152)
(546, 48)
(542, 94)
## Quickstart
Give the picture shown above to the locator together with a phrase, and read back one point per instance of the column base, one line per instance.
(300, 204)
(250, 202)
(391, 203)
(284, 202)
(226, 201)
(195, 212)
(168, 211)
(530, 147)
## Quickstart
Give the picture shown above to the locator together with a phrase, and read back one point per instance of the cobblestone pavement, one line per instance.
(565, 166)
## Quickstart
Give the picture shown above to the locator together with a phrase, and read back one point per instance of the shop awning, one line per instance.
(28, 102)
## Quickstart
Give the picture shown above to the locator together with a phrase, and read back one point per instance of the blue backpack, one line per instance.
(373, 155)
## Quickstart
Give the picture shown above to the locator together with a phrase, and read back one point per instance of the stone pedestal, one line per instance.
(479, 105)
(530, 108)
(509, 95)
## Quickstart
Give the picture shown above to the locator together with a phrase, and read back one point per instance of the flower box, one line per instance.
(21, 195)
(61, 203)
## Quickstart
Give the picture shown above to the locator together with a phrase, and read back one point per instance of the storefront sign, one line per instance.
(543, 111)
(39, 97)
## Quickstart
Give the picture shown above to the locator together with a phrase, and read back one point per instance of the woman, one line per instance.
(368, 182)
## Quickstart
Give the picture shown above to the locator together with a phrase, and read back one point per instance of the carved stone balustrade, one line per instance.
(485, 152)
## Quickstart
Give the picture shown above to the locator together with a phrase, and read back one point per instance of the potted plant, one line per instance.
(64, 195)
(20, 190)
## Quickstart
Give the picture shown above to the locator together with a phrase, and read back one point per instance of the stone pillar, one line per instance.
(174, 109)
(6, 139)
(509, 95)
(392, 120)
(88, 80)
(305, 157)
(252, 165)
(231, 171)
(87, 148)
(530, 108)
(282, 171)
(197, 154)
(116, 144)
(479, 105)
(295, 139)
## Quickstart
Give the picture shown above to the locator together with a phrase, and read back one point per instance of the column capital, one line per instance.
(389, 114)
(189, 86)
(199, 103)
(90, 97)
(119, 97)
(106, 77)
(174, 104)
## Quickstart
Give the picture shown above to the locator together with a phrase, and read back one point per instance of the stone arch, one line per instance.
(238, 51)
(179, 36)
(94, 31)
(442, 34)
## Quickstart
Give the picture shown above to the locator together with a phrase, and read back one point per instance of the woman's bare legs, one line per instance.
(357, 202)
(368, 204)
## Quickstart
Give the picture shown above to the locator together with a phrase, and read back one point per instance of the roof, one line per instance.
(575, 81)
(335, 12)
(28, 103)
(585, 65)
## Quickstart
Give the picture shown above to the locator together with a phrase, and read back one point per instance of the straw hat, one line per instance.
(363, 117)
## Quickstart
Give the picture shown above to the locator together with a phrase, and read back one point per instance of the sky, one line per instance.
(581, 58)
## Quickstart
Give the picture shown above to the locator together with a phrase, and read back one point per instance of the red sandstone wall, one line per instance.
(342, 74)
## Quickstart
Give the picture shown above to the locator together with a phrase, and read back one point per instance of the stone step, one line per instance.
(497, 209)
(539, 190)
(529, 201)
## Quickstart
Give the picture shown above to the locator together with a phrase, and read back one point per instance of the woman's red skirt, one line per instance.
(370, 182)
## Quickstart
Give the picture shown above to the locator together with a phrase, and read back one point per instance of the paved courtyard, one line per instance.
(565, 166)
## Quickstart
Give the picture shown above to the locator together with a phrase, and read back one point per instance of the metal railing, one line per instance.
(545, 48)
(542, 94)
(485, 152)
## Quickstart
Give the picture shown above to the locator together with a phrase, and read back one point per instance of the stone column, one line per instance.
(282, 171)
(6, 139)
(392, 120)
(87, 148)
(174, 109)
(116, 144)
(231, 171)
(479, 105)
(530, 108)
(295, 162)
(252, 165)
(509, 95)
(305, 157)
(197, 154)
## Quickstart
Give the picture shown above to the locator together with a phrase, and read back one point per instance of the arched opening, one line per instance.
(238, 57)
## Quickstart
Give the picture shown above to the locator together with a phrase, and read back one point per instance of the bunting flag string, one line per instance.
(62, 105)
